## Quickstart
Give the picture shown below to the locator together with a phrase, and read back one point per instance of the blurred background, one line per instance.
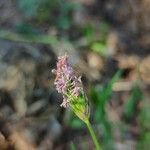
(108, 42)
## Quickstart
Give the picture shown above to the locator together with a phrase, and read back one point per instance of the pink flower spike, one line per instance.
(66, 82)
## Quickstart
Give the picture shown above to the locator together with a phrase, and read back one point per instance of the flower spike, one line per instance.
(70, 86)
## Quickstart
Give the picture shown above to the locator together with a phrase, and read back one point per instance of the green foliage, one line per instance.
(26, 29)
(45, 10)
(144, 141)
(100, 97)
(88, 32)
(144, 121)
(72, 146)
(64, 20)
(30, 38)
(144, 117)
(131, 103)
(96, 39)
(99, 48)
(29, 7)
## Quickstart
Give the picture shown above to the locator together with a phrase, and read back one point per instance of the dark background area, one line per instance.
(108, 43)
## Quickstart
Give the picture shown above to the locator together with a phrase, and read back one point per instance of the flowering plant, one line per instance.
(70, 86)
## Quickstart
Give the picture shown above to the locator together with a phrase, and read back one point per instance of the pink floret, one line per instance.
(66, 82)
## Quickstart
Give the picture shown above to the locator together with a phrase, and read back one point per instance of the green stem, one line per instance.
(94, 138)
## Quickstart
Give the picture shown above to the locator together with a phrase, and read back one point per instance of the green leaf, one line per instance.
(99, 47)
(107, 90)
(144, 116)
(100, 95)
(132, 101)
(144, 141)
(88, 32)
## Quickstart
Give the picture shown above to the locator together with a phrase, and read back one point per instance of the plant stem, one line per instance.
(94, 138)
